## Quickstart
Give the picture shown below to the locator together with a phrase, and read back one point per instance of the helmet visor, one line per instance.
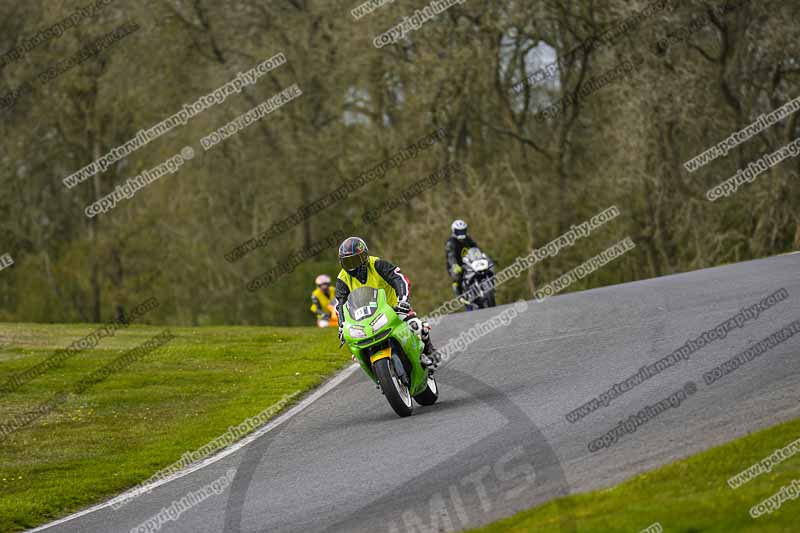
(460, 234)
(352, 262)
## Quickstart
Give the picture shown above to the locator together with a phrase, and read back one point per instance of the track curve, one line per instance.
(498, 440)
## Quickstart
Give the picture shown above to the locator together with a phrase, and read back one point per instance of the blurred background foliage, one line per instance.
(525, 180)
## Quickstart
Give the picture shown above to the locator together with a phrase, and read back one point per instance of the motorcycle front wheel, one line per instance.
(396, 392)
(490, 302)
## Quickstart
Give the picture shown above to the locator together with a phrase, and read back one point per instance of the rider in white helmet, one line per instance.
(455, 248)
(322, 297)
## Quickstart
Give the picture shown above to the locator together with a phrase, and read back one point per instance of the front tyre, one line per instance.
(430, 394)
(490, 301)
(396, 392)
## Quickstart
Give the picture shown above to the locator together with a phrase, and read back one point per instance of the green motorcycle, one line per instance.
(388, 349)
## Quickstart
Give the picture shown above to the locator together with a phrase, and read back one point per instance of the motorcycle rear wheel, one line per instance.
(430, 394)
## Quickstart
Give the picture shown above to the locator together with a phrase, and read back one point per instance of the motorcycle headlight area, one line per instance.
(480, 264)
(357, 332)
(380, 321)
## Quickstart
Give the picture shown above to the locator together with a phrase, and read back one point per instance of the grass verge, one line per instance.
(689, 496)
(143, 418)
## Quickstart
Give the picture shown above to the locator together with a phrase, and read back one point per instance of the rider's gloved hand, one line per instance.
(403, 307)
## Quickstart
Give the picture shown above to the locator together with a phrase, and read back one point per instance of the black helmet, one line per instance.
(353, 253)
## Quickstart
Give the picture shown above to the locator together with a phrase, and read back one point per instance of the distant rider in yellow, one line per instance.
(322, 297)
(359, 269)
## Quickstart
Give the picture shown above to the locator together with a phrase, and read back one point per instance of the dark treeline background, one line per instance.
(525, 180)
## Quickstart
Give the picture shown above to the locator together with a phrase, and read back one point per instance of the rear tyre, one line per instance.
(396, 392)
(430, 394)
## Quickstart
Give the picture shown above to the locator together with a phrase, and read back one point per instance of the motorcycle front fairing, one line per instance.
(373, 330)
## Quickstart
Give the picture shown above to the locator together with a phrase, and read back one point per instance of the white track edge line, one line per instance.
(272, 424)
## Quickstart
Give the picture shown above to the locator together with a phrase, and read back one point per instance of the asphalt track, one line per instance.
(498, 441)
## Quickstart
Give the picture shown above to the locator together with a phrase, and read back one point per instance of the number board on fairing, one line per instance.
(363, 312)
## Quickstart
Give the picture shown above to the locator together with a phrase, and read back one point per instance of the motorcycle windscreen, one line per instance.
(473, 254)
(362, 303)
